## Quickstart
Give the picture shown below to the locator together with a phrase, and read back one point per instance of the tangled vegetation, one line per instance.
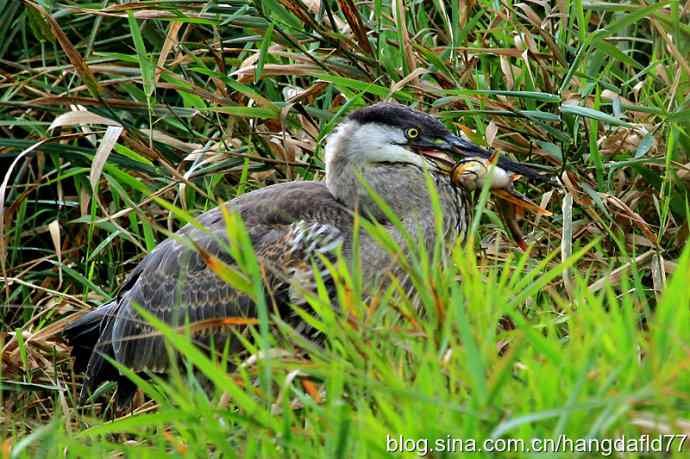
(121, 121)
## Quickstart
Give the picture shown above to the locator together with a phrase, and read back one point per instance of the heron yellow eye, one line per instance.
(412, 133)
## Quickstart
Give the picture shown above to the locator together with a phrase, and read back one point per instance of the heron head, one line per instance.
(393, 133)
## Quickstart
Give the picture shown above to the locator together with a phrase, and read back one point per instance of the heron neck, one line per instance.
(403, 187)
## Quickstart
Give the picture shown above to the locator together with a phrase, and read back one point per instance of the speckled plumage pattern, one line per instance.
(288, 224)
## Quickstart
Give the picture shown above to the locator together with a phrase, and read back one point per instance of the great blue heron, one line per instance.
(390, 147)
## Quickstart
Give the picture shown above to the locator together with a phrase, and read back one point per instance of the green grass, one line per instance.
(208, 101)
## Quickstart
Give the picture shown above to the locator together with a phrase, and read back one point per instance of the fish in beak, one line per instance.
(467, 149)
(478, 165)
(472, 173)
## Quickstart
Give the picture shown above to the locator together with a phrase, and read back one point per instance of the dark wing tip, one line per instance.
(84, 334)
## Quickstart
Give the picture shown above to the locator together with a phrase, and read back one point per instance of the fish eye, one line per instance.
(412, 133)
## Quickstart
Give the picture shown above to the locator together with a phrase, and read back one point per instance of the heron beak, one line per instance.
(446, 151)
(465, 148)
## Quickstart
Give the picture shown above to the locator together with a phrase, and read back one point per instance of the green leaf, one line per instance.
(363, 86)
(628, 19)
(587, 112)
(146, 65)
(644, 146)
(679, 116)
(39, 26)
(551, 148)
(614, 53)
(130, 424)
(265, 43)
(131, 154)
(536, 95)
(246, 112)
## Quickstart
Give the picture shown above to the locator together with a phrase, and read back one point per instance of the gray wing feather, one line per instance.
(174, 283)
(179, 289)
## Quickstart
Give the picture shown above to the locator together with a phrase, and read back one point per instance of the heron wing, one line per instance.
(294, 228)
